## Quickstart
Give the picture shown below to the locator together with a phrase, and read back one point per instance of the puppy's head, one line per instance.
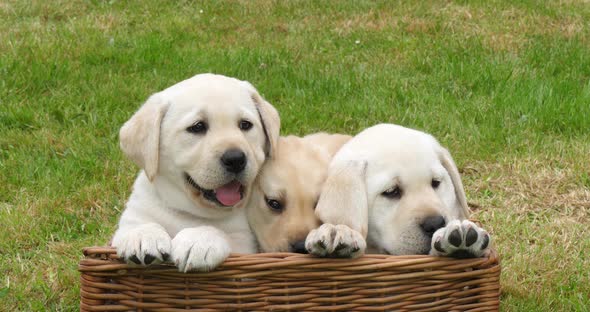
(411, 185)
(209, 135)
(281, 211)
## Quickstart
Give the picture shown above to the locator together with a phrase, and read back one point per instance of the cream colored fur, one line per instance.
(165, 215)
(354, 206)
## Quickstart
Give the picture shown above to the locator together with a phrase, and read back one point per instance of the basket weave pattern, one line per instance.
(293, 282)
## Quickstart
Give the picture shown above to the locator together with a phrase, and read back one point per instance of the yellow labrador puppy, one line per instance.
(401, 191)
(200, 143)
(287, 189)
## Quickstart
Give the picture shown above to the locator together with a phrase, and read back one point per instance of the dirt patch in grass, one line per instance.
(537, 209)
(107, 22)
(508, 29)
(499, 29)
(531, 185)
(369, 21)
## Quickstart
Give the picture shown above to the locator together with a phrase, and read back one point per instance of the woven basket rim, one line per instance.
(275, 260)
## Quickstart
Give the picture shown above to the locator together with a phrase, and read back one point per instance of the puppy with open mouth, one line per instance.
(200, 143)
(284, 196)
(397, 191)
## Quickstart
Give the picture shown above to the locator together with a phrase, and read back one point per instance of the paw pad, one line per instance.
(460, 239)
(455, 238)
(148, 259)
(471, 237)
(135, 259)
(486, 241)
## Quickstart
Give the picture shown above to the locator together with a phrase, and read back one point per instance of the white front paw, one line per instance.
(335, 241)
(144, 244)
(200, 249)
(460, 239)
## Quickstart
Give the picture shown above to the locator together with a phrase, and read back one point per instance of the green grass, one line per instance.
(504, 84)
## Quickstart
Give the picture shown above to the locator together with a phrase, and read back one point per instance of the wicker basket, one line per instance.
(293, 282)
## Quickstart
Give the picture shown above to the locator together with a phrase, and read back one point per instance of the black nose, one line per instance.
(430, 224)
(233, 160)
(299, 247)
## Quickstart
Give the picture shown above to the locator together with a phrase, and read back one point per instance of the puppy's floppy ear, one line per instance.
(140, 135)
(448, 163)
(344, 196)
(271, 122)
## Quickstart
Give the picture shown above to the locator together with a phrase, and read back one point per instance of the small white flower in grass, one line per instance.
(357, 41)
(201, 11)
(112, 41)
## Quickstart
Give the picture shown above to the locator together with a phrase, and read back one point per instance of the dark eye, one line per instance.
(435, 183)
(394, 192)
(198, 128)
(245, 125)
(274, 205)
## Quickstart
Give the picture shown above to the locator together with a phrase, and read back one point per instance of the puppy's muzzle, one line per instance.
(234, 160)
(430, 224)
(226, 195)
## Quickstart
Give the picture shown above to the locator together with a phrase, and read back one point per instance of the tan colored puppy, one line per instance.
(287, 189)
(200, 144)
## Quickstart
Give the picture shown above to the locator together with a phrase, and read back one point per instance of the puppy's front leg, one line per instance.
(200, 248)
(335, 241)
(344, 210)
(142, 244)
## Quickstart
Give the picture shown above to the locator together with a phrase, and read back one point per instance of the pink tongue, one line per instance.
(229, 194)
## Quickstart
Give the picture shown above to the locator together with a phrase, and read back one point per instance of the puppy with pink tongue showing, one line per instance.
(200, 144)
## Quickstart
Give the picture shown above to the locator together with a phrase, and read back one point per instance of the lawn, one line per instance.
(505, 85)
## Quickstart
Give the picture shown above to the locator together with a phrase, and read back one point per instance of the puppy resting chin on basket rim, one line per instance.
(200, 143)
(396, 191)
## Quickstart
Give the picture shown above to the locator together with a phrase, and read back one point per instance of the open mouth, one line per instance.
(226, 195)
